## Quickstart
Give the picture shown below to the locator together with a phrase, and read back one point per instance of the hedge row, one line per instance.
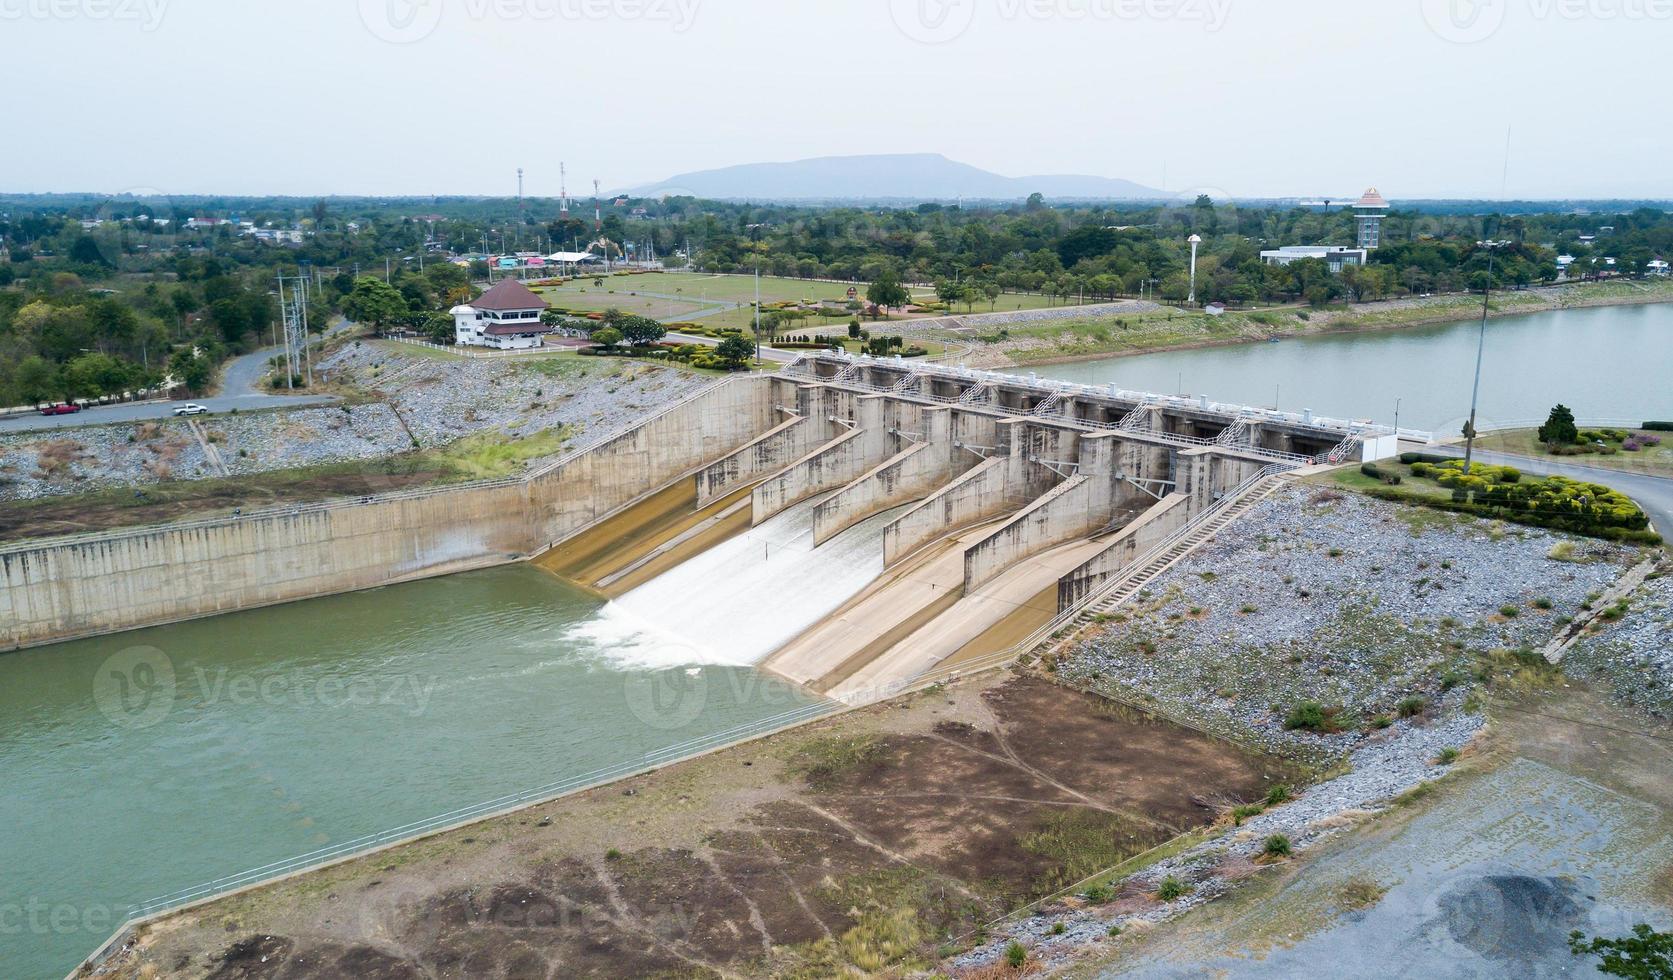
(1550, 520)
(1657, 427)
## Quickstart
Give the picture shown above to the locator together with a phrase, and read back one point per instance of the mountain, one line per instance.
(885, 177)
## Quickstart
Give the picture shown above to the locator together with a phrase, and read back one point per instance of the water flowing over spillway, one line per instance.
(739, 601)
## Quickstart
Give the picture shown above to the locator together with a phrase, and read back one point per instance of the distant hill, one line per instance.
(886, 177)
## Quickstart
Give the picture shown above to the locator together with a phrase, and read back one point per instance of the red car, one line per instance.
(65, 409)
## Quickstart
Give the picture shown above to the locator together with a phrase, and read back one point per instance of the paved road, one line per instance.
(241, 389)
(1653, 493)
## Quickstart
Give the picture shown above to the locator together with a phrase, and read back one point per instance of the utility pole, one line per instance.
(1195, 240)
(758, 310)
(1480, 351)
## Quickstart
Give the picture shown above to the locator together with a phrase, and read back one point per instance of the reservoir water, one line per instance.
(138, 764)
(1612, 362)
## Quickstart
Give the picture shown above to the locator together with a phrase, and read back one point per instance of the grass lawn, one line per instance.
(1654, 460)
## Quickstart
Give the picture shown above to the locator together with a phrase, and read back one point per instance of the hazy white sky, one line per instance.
(1239, 97)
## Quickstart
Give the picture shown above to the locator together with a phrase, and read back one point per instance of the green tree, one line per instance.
(37, 380)
(735, 351)
(1559, 428)
(887, 291)
(190, 368)
(374, 302)
(607, 337)
(641, 330)
(1645, 955)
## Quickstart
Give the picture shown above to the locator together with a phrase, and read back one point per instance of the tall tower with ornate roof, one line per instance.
(1369, 213)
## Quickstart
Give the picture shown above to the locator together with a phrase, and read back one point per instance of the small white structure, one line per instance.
(1215, 309)
(1657, 267)
(506, 317)
(1337, 257)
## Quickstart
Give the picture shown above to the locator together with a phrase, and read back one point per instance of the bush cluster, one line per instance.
(1376, 472)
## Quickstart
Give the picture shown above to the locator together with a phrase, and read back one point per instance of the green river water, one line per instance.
(138, 764)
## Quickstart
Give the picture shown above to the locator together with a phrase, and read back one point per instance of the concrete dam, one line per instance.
(849, 523)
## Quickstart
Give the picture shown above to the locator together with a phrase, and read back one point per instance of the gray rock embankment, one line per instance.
(1632, 651)
(1353, 603)
(1384, 614)
(138, 454)
(442, 399)
(433, 400)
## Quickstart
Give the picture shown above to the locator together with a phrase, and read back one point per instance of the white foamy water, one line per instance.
(739, 601)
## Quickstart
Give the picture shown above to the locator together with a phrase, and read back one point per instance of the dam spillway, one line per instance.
(985, 483)
(736, 603)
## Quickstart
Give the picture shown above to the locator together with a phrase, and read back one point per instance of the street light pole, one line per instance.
(1480, 350)
(1195, 240)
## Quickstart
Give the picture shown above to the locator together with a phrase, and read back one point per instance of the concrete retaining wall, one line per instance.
(146, 576)
(1146, 531)
(1067, 512)
(909, 475)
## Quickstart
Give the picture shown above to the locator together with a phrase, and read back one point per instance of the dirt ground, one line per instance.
(1561, 823)
(867, 841)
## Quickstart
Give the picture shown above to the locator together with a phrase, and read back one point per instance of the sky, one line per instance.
(1235, 98)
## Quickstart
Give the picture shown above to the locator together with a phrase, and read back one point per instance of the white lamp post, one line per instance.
(1195, 240)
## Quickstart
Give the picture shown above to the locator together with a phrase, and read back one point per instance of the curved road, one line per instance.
(1653, 493)
(240, 389)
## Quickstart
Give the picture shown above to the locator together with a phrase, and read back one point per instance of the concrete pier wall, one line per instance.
(1146, 531)
(910, 475)
(835, 464)
(124, 579)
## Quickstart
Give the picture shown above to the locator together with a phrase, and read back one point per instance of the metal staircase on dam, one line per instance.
(1182, 543)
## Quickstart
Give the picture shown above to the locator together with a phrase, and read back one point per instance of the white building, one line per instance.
(1657, 267)
(506, 317)
(1337, 257)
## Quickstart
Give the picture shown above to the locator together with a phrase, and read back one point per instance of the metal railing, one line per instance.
(350, 849)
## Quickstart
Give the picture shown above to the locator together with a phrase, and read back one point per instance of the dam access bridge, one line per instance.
(981, 505)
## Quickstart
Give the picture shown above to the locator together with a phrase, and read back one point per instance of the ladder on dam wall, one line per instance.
(1182, 542)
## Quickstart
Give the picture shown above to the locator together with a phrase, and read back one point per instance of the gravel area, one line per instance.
(1342, 600)
(443, 399)
(1633, 655)
(1349, 602)
(428, 399)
